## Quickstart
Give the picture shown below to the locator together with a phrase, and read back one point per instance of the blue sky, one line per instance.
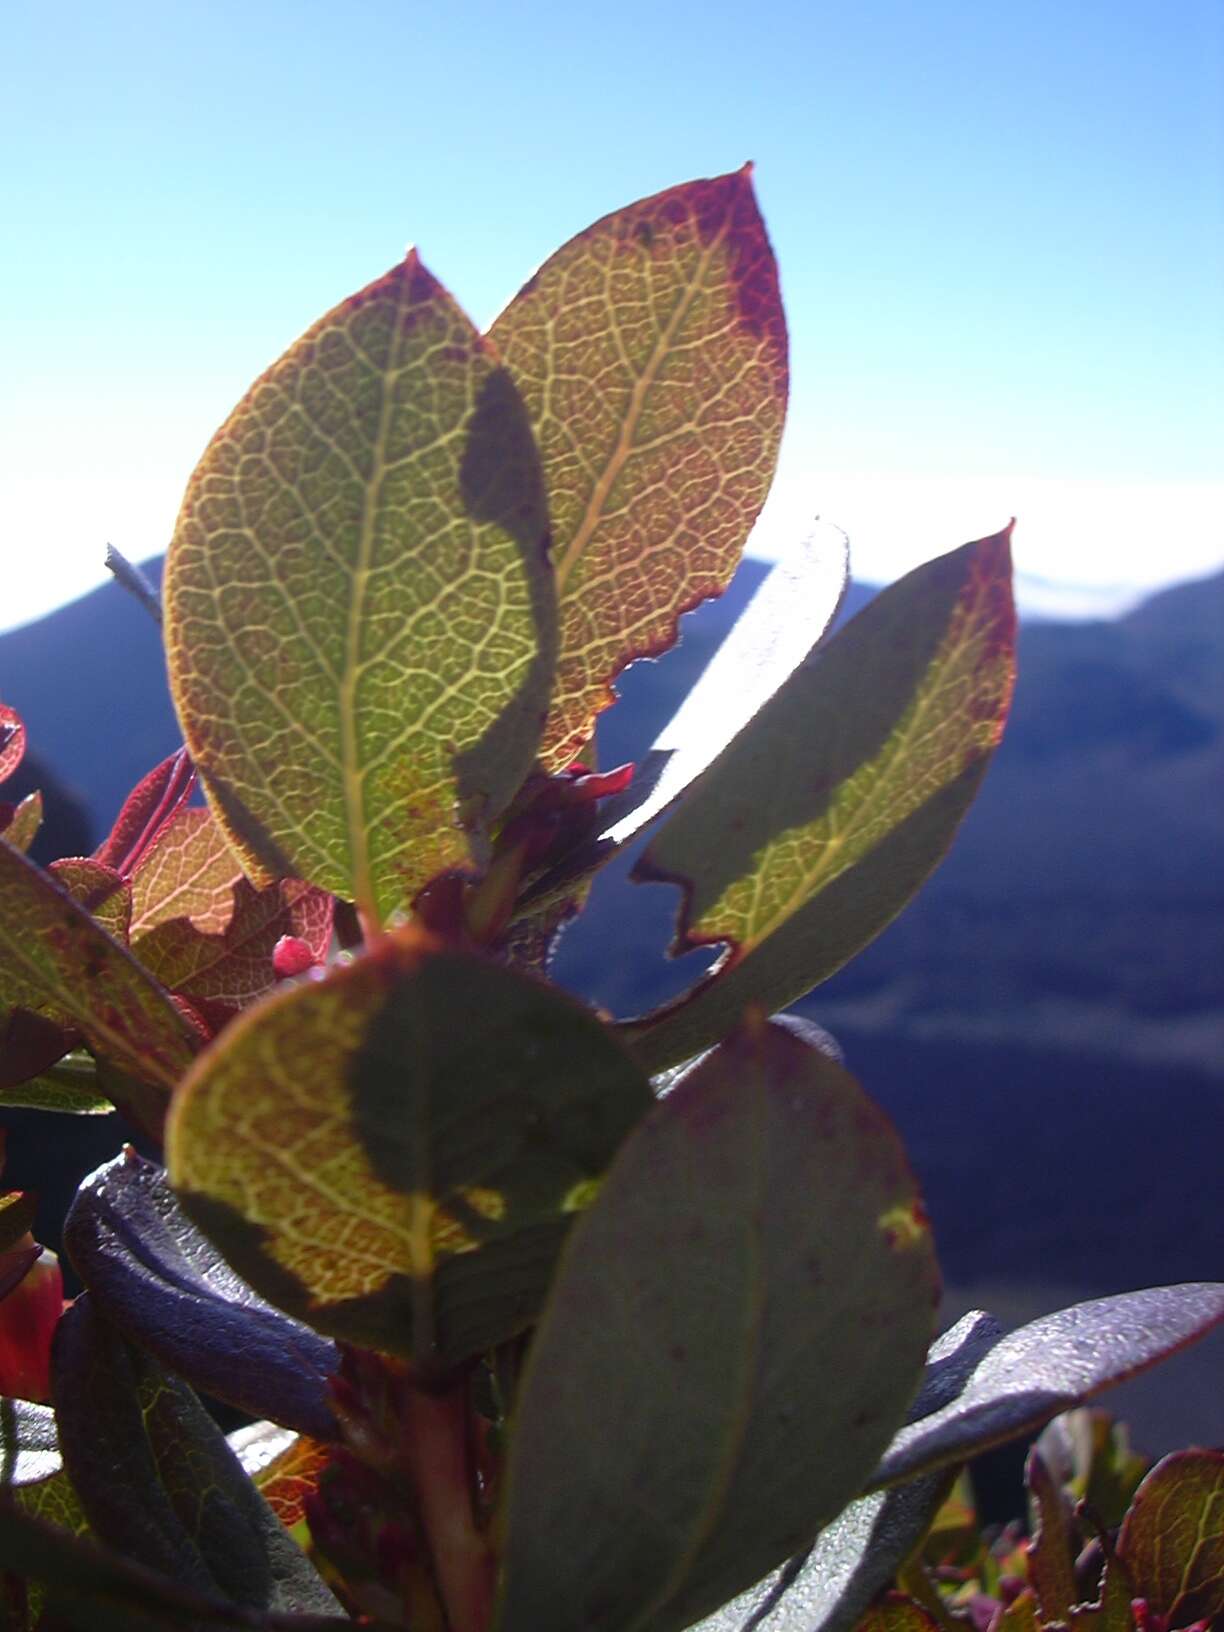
(1000, 229)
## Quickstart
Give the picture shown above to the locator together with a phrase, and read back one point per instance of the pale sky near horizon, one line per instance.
(1000, 231)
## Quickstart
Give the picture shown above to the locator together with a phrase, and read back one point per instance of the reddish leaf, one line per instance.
(1172, 1540)
(146, 810)
(236, 966)
(29, 1045)
(105, 895)
(1052, 1550)
(12, 740)
(189, 871)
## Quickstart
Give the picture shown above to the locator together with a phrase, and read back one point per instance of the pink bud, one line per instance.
(292, 956)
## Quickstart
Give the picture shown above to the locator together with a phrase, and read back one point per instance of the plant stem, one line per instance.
(436, 1451)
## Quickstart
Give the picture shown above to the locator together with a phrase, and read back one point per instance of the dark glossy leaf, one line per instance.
(360, 609)
(1172, 1540)
(814, 828)
(168, 1289)
(829, 1587)
(94, 1589)
(651, 351)
(71, 1086)
(746, 1306)
(157, 1480)
(1029, 1376)
(395, 1153)
(21, 823)
(59, 962)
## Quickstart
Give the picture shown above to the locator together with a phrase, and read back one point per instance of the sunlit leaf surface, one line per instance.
(651, 351)
(737, 1321)
(1172, 1541)
(189, 872)
(360, 613)
(60, 963)
(12, 740)
(395, 1153)
(23, 824)
(821, 819)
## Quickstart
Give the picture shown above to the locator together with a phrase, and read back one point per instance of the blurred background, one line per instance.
(1001, 237)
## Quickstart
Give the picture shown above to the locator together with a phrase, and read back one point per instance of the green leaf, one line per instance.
(60, 963)
(651, 351)
(821, 819)
(188, 872)
(25, 821)
(360, 613)
(105, 896)
(157, 1480)
(1172, 1540)
(395, 1153)
(736, 1324)
(1018, 1382)
(1053, 1548)
(70, 1087)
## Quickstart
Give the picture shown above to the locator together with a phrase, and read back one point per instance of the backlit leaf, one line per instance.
(1172, 1540)
(395, 1153)
(1052, 1550)
(104, 894)
(157, 1480)
(166, 1288)
(189, 872)
(12, 740)
(70, 1086)
(147, 810)
(284, 1466)
(817, 824)
(24, 820)
(736, 1323)
(1022, 1380)
(235, 966)
(651, 351)
(60, 963)
(360, 613)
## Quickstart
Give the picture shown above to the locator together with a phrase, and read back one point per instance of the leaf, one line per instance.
(69, 1086)
(166, 1288)
(818, 823)
(1052, 1550)
(735, 1324)
(152, 804)
(360, 613)
(1029, 1376)
(100, 890)
(651, 352)
(29, 1045)
(29, 1448)
(1172, 1539)
(12, 741)
(896, 1613)
(18, 1209)
(395, 1153)
(20, 827)
(157, 1480)
(188, 872)
(96, 1590)
(59, 962)
(284, 1466)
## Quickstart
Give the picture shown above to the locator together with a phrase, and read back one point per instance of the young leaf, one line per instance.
(735, 1324)
(12, 740)
(1029, 1376)
(1052, 1550)
(818, 823)
(166, 1288)
(147, 811)
(1172, 1539)
(651, 351)
(59, 962)
(21, 824)
(157, 1480)
(395, 1153)
(360, 613)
